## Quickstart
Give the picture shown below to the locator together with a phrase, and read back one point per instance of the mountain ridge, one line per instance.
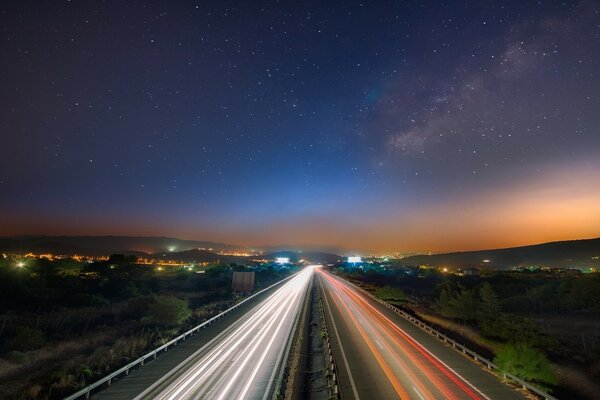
(578, 253)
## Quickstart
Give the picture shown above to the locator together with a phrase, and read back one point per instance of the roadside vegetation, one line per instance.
(64, 323)
(543, 326)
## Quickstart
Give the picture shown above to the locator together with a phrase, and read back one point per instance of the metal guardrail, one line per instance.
(86, 391)
(457, 346)
(330, 362)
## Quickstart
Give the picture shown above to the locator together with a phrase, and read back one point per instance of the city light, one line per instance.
(20, 264)
(282, 260)
(355, 259)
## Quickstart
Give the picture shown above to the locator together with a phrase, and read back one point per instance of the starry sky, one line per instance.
(409, 126)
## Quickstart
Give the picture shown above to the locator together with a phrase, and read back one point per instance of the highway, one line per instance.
(240, 362)
(379, 355)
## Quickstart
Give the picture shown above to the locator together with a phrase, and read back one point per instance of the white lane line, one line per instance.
(230, 361)
(266, 350)
(191, 382)
(418, 394)
(337, 336)
(213, 360)
(260, 335)
(279, 362)
(237, 326)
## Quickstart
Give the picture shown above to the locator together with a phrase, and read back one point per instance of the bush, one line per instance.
(516, 329)
(26, 338)
(17, 357)
(391, 294)
(164, 311)
(168, 311)
(526, 363)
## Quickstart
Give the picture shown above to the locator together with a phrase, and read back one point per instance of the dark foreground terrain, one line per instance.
(65, 323)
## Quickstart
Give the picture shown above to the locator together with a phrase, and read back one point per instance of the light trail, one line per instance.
(412, 371)
(239, 363)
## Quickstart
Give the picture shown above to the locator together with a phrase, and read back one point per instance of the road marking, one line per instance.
(279, 362)
(245, 321)
(337, 336)
(413, 340)
(418, 394)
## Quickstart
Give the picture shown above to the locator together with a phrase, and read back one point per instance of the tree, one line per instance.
(464, 305)
(168, 311)
(390, 293)
(444, 304)
(526, 363)
(517, 329)
(165, 311)
(489, 306)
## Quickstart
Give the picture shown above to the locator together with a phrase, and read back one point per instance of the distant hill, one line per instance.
(564, 254)
(312, 256)
(164, 248)
(104, 245)
(307, 248)
(196, 255)
(145, 246)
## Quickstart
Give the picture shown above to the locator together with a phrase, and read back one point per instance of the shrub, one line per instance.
(26, 338)
(17, 357)
(526, 363)
(389, 293)
(168, 311)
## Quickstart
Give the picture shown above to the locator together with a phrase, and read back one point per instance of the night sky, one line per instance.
(378, 126)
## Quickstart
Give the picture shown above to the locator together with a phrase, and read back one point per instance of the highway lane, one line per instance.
(380, 355)
(242, 361)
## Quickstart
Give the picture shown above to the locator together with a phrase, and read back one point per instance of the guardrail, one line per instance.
(330, 362)
(86, 391)
(457, 346)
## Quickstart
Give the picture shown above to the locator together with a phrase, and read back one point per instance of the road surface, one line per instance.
(379, 355)
(240, 362)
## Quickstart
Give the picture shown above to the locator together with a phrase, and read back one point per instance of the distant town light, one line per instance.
(486, 260)
(172, 249)
(355, 259)
(20, 264)
(282, 260)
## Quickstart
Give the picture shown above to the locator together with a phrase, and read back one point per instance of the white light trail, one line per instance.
(240, 362)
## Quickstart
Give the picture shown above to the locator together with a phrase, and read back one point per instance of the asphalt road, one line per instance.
(379, 355)
(240, 362)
